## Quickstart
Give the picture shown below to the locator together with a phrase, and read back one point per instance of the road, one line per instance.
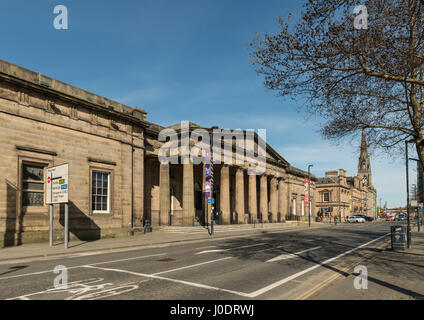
(270, 265)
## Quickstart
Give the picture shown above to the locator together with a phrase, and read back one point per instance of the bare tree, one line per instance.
(354, 78)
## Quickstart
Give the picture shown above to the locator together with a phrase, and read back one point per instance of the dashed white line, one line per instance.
(291, 255)
(193, 284)
(253, 294)
(296, 275)
(223, 250)
(192, 266)
(205, 247)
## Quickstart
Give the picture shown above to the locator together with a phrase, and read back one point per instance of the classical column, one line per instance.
(188, 194)
(164, 197)
(224, 194)
(253, 199)
(264, 197)
(282, 201)
(240, 194)
(273, 200)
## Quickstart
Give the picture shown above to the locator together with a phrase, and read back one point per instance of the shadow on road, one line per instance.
(13, 269)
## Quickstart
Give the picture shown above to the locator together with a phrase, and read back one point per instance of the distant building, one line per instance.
(342, 196)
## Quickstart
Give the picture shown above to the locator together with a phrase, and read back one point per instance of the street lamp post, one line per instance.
(408, 228)
(211, 172)
(309, 192)
(415, 194)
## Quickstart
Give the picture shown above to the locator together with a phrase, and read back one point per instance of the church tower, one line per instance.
(364, 164)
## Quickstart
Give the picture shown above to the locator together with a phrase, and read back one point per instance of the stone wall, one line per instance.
(37, 126)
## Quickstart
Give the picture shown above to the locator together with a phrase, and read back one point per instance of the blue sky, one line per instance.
(182, 60)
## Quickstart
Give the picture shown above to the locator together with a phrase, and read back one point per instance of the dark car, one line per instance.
(367, 218)
(401, 217)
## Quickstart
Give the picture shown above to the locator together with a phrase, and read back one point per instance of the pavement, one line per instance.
(273, 262)
(391, 275)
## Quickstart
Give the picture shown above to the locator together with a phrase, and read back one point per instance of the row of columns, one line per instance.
(276, 196)
(165, 196)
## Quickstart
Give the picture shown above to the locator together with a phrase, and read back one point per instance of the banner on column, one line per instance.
(207, 189)
(306, 191)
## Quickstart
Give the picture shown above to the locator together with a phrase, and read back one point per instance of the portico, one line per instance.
(179, 196)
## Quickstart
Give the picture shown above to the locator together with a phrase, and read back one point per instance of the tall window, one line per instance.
(32, 185)
(326, 196)
(100, 200)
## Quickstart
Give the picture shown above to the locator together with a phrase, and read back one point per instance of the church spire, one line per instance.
(364, 148)
(364, 163)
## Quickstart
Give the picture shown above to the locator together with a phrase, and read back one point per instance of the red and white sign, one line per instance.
(306, 191)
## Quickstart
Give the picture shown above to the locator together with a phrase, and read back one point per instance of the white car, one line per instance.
(355, 219)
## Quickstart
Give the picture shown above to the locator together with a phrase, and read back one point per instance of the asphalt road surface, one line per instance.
(271, 265)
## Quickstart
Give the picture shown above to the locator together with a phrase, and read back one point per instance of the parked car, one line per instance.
(355, 219)
(401, 217)
(390, 218)
(367, 218)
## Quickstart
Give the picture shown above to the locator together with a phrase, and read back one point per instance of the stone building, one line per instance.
(175, 193)
(43, 123)
(116, 181)
(342, 196)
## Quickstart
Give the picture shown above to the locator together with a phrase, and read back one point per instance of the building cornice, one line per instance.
(53, 88)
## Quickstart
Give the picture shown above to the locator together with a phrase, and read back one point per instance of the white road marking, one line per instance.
(80, 266)
(205, 247)
(192, 266)
(248, 295)
(296, 275)
(290, 255)
(193, 284)
(223, 250)
(89, 289)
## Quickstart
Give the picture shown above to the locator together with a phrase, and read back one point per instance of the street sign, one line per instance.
(414, 203)
(57, 184)
(212, 200)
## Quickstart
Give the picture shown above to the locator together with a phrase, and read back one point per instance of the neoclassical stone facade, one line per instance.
(175, 194)
(116, 181)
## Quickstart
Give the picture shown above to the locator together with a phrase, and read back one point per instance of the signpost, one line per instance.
(57, 193)
(308, 191)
